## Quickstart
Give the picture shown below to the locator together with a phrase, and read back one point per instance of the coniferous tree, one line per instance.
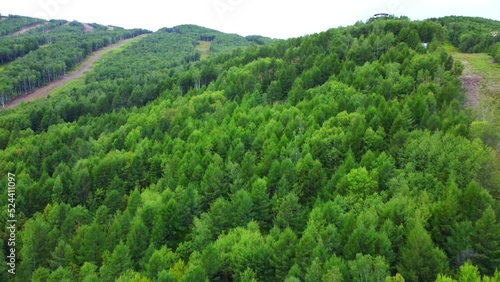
(242, 207)
(289, 213)
(40, 274)
(261, 208)
(88, 272)
(137, 239)
(116, 263)
(487, 242)
(35, 250)
(282, 257)
(420, 259)
(61, 274)
(166, 225)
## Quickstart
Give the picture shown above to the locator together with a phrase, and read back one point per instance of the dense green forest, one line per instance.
(473, 35)
(14, 23)
(346, 155)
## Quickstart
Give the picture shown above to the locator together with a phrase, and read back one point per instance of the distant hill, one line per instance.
(65, 44)
(471, 34)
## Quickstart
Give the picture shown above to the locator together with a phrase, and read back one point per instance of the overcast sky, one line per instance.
(278, 19)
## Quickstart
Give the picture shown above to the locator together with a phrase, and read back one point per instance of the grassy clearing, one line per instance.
(450, 48)
(3, 66)
(74, 83)
(488, 108)
(204, 48)
(482, 64)
(119, 49)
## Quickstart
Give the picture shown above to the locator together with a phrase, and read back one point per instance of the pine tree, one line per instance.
(468, 273)
(134, 201)
(41, 274)
(273, 177)
(63, 255)
(116, 263)
(57, 191)
(211, 185)
(459, 245)
(241, 207)
(61, 275)
(445, 213)
(166, 225)
(420, 260)
(304, 250)
(289, 213)
(283, 253)
(137, 239)
(309, 179)
(487, 242)
(35, 250)
(211, 261)
(473, 201)
(131, 276)
(195, 273)
(221, 217)
(314, 272)
(161, 260)
(88, 272)
(90, 247)
(261, 209)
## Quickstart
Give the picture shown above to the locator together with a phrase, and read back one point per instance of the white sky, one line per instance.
(277, 19)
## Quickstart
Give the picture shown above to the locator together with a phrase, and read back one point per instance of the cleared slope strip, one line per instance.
(28, 28)
(481, 79)
(86, 65)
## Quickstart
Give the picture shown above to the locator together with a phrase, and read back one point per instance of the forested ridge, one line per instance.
(43, 55)
(16, 23)
(346, 155)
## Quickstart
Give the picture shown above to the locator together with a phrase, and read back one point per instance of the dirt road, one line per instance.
(27, 29)
(472, 83)
(86, 65)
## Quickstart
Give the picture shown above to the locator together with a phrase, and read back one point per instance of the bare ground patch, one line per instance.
(472, 84)
(87, 28)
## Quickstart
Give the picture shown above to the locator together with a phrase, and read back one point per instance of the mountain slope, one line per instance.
(44, 54)
(75, 74)
(319, 158)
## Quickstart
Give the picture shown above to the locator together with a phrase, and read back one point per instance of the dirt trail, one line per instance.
(86, 65)
(87, 28)
(472, 83)
(26, 29)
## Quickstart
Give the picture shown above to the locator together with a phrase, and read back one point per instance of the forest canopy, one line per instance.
(346, 155)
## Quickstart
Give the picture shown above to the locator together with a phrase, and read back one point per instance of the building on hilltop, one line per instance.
(381, 15)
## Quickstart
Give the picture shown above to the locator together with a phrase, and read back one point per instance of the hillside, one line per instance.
(193, 155)
(40, 53)
(34, 53)
(69, 78)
